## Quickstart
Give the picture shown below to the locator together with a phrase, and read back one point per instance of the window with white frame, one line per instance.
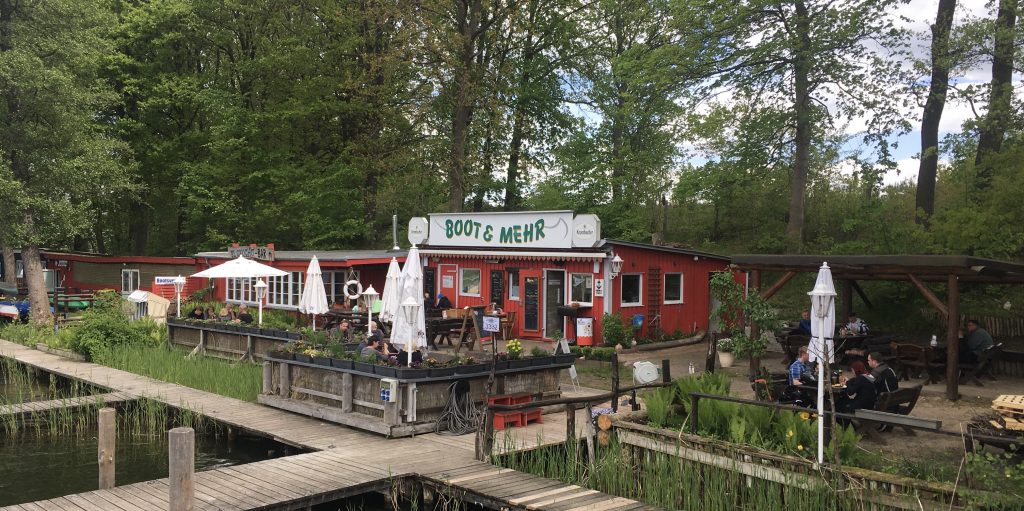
(129, 281)
(286, 290)
(334, 283)
(241, 290)
(673, 288)
(582, 288)
(469, 281)
(513, 284)
(630, 289)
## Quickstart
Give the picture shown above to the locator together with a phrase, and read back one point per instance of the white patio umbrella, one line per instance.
(314, 297)
(411, 335)
(240, 268)
(820, 349)
(389, 303)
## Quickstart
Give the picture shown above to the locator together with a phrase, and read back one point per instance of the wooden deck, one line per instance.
(40, 407)
(348, 461)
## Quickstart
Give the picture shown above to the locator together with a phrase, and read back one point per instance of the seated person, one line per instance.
(883, 376)
(356, 308)
(800, 366)
(376, 332)
(387, 349)
(224, 315)
(804, 327)
(231, 311)
(210, 314)
(196, 313)
(371, 350)
(855, 325)
(403, 357)
(342, 332)
(243, 315)
(443, 302)
(859, 393)
(978, 340)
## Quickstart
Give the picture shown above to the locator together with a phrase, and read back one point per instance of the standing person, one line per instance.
(443, 302)
(243, 314)
(978, 340)
(859, 393)
(883, 376)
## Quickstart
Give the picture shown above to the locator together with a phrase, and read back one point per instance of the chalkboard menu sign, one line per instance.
(497, 286)
(428, 284)
(531, 303)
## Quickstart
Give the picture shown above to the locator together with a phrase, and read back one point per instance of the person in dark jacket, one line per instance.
(859, 393)
(196, 313)
(443, 302)
(883, 376)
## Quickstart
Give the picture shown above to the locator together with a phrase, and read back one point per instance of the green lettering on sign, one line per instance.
(506, 235)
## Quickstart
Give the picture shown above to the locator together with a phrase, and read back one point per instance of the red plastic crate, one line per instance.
(505, 419)
(533, 415)
(500, 400)
(518, 399)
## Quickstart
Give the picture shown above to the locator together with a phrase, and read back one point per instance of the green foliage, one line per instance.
(240, 380)
(659, 403)
(738, 309)
(614, 330)
(537, 351)
(593, 353)
(106, 325)
(1003, 473)
(28, 334)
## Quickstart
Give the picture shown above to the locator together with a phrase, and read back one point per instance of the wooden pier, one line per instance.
(347, 462)
(41, 407)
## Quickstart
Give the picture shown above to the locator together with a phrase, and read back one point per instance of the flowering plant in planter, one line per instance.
(537, 351)
(514, 349)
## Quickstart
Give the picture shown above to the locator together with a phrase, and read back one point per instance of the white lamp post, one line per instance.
(370, 298)
(410, 309)
(616, 265)
(822, 299)
(179, 285)
(261, 293)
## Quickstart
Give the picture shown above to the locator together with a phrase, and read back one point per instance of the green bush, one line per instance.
(614, 331)
(106, 325)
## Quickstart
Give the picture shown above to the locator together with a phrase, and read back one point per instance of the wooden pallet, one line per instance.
(1014, 424)
(1010, 402)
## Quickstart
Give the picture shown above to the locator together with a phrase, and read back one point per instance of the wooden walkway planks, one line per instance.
(31, 407)
(347, 462)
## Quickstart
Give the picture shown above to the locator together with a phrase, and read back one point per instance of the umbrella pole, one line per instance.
(260, 320)
(821, 393)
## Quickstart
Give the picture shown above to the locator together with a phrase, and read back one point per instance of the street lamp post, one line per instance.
(261, 293)
(822, 299)
(370, 298)
(410, 309)
(179, 286)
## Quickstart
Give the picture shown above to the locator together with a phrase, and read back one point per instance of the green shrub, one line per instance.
(614, 331)
(659, 405)
(28, 334)
(106, 325)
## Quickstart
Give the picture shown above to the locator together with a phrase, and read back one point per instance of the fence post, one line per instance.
(107, 446)
(615, 382)
(268, 376)
(570, 423)
(182, 456)
(589, 429)
(666, 371)
(694, 400)
(632, 399)
(486, 444)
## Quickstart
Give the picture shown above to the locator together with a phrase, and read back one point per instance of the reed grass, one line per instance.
(240, 380)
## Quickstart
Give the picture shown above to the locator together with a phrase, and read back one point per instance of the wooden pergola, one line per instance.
(919, 270)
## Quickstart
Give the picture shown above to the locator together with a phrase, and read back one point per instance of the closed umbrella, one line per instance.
(411, 335)
(389, 297)
(820, 349)
(314, 297)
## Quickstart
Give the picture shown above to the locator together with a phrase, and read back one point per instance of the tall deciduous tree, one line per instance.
(997, 119)
(58, 152)
(939, 84)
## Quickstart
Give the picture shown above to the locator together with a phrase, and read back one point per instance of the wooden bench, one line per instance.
(893, 405)
(441, 329)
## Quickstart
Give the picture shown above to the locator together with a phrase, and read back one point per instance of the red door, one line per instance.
(532, 320)
(448, 278)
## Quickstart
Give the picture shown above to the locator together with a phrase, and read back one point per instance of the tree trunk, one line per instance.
(618, 119)
(469, 21)
(39, 311)
(993, 128)
(513, 198)
(925, 203)
(802, 111)
(10, 267)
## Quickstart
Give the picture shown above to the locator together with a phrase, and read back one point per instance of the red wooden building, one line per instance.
(532, 263)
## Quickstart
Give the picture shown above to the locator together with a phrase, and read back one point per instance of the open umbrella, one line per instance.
(389, 297)
(413, 334)
(240, 268)
(820, 349)
(314, 297)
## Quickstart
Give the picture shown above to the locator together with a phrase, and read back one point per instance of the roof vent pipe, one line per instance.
(394, 232)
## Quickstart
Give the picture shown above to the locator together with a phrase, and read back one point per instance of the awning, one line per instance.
(513, 255)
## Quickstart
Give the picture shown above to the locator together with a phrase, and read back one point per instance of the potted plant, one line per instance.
(364, 364)
(386, 368)
(413, 372)
(340, 358)
(306, 355)
(322, 357)
(739, 309)
(515, 355)
(469, 365)
(439, 369)
(501, 361)
(725, 356)
(540, 357)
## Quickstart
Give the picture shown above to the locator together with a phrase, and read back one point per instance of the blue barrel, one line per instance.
(638, 320)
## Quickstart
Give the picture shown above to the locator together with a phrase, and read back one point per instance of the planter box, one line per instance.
(542, 361)
(341, 363)
(519, 364)
(568, 358)
(442, 372)
(501, 365)
(413, 374)
(472, 369)
(322, 361)
(362, 367)
(385, 371)
(302, 357)
(281, 355)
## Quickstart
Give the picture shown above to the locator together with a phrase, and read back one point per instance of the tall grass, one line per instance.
(240, 380)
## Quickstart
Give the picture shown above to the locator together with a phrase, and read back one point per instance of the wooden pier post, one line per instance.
(182, 456)
(286, 381)
(268, 376)
(570, 422)
(615, 382)
(107, 446)
(346, 392)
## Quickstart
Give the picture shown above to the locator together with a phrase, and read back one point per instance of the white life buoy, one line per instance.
(359, 290)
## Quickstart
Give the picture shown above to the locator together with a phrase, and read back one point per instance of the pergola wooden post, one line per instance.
(952, 338)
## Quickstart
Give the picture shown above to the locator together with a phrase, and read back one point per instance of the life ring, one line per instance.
(359, 290)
